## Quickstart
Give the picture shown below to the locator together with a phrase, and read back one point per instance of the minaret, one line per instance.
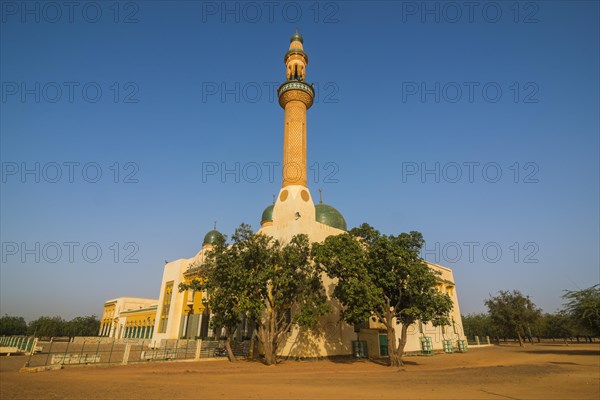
(295, 97)
(294, 211)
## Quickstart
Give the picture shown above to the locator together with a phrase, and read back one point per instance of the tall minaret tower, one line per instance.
(295, 97)
(294, 211)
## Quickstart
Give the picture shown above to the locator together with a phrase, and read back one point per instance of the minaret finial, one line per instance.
(320, 196)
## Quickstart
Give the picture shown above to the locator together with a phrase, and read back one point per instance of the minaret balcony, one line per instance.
(296, 90)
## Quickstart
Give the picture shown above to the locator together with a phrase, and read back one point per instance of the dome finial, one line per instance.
(273, 199)
(296, 37)
(320, 196)
(215, 225)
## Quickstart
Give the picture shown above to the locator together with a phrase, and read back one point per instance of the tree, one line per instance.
(48, 326)
(222, 281)
(272, 284)
(383, 277)
(12, 325)
(479, 325)
(513, 312)
(283, 288)
(557, 325)
(83, 326)
(584, 307)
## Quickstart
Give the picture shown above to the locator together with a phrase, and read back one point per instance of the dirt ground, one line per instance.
(541, 371)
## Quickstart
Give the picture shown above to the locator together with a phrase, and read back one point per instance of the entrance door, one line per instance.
(383, 346)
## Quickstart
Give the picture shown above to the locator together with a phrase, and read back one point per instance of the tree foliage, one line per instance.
(513, 313)
(481, 325)
(274, 285)
(584, 307)
(557, 325)
(48, 326)
(83, 326)
(383, 277)
(221, 281)
(57, 326)
(10, 325)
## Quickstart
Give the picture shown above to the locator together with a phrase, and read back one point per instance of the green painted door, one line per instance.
(383, 346)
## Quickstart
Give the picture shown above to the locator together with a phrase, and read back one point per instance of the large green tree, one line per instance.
(48, 326)
(273, 284)
(223, 285)
(558, 325)
(584, 307)
(10, 325)
(383, 277)
(479, 324)
(513, 312)
(83, 326)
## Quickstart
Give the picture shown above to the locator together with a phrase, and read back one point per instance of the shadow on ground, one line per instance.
(567, 352)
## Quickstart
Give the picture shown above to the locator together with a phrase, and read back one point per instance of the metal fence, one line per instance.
(17, 343)
(478, 340)
(119, 351)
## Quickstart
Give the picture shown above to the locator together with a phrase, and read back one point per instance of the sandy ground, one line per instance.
(541, 371)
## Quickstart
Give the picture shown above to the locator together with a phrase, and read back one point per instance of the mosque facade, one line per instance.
(185, 315)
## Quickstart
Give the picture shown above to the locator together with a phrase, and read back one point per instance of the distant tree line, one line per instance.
(513, 315)
(50, 326)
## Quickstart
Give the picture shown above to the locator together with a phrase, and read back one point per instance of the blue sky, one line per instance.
(478, 127)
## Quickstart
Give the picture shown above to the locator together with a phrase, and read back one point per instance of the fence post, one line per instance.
(477, 340)
(487, 338)
(31, 351)
(198, 348)
(126, 353)
(49, 351)
(65, 356)
(82, 347)
(96, 357)
(111, 350)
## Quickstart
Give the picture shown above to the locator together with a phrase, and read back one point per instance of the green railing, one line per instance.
(426, 346)
(21, 343)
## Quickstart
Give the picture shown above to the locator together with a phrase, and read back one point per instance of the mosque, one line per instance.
(185, 315)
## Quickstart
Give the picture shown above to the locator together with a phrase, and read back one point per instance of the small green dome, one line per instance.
(213, 237)
(328, 215)
(267, 215)
(296, 37)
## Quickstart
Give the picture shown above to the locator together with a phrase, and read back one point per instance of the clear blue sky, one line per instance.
(187, 86)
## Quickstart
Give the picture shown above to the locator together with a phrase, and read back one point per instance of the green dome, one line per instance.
(212, 237)
(267, 215)
(298, 37)
(330, 216)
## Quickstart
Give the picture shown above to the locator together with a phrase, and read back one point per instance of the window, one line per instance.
(166, 305)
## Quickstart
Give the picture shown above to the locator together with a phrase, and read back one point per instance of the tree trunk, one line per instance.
(394, 361)
(402, 343)
(520, 339)
(268, 348)
(267, 335)
(228, 348)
